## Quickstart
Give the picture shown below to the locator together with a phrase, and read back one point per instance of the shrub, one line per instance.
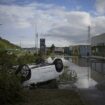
(7, 59)
(26, 59)
(11, 90)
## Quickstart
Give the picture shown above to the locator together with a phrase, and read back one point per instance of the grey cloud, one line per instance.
(54, 24)
(6, 1)
(98, 26)
(100, 6)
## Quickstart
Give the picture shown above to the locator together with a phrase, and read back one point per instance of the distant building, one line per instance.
(79, 53)
(98, 45)
(59, 50)
(67, 50)
(98, 55)
(81, 50)
(42, 46)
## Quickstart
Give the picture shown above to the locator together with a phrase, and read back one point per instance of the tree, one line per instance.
(52, 48)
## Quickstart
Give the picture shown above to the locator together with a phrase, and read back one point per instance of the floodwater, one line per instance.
(84, 79)
(83, 72)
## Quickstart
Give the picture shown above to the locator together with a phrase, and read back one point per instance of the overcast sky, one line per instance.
(61, 22)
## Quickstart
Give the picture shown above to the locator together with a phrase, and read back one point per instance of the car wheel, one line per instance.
(58, 65)
(24, 72)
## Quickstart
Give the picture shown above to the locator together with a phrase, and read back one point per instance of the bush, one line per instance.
(7, 59)
(10, 88)
(26, 59)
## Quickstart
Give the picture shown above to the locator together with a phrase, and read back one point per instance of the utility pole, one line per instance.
(36, 37)
(89, 41)
(36, 43)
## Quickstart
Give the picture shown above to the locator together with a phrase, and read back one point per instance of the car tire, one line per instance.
(58, 65)
(24, 72)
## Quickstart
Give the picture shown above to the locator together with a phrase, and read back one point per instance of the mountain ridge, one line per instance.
(5, 44)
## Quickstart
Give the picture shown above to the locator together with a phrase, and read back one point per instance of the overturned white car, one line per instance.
(34, 74)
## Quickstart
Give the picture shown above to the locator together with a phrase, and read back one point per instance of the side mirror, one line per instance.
(58, 65)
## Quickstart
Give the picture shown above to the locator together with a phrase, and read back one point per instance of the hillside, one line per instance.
(5, 44)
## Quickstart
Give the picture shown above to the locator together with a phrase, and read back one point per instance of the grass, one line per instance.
(5, 44)
(51, 97)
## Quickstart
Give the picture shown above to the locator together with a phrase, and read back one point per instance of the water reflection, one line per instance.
(81, 67)
(82, 62)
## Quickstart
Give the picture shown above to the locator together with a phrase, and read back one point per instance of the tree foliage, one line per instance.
(52, 48)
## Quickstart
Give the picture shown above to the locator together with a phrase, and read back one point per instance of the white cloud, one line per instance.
(17, 15)
(98, 26)
(6, 1)
(100, 6)
(56, 24)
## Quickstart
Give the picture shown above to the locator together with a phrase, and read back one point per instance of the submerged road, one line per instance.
(87, 86)
(84, 79)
